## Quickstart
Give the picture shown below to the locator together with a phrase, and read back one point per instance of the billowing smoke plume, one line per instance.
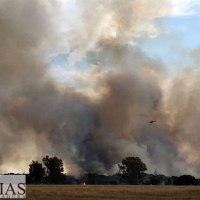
(105, 118)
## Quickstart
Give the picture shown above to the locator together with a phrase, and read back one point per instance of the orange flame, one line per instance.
(84, 183)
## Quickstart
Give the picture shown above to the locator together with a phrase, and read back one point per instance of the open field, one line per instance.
(111, 192)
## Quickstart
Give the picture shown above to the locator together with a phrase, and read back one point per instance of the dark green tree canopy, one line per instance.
(54, 168)
(132, 169)
(185, 180)
(54, 165)
(36, 171)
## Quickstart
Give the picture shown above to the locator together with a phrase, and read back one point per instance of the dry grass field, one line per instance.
(111, 192)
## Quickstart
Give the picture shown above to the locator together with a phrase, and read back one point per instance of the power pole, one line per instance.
(155, 172)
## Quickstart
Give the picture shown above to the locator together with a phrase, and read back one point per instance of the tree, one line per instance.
(174, 180)
(154, 180)
(54, 169)
(132, 169)
(36, 171)
(185, 180)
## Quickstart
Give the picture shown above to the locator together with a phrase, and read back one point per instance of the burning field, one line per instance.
(95, 109)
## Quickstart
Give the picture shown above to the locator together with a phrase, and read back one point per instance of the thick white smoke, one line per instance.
(105, 118)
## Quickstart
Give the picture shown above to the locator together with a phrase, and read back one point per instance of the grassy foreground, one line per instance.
(111, 192)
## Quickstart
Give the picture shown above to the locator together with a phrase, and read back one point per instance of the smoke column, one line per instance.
(105, 117)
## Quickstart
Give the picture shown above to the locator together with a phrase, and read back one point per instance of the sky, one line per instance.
(178, 32)
(82, 79)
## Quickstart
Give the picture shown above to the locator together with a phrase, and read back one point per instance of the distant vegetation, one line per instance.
(131, 171)
(51, 173)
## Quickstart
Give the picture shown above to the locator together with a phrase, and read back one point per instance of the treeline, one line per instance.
(51, 173)
(131, 171)
(184, 180)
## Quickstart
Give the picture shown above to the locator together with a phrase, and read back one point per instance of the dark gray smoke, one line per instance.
(108, 119)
